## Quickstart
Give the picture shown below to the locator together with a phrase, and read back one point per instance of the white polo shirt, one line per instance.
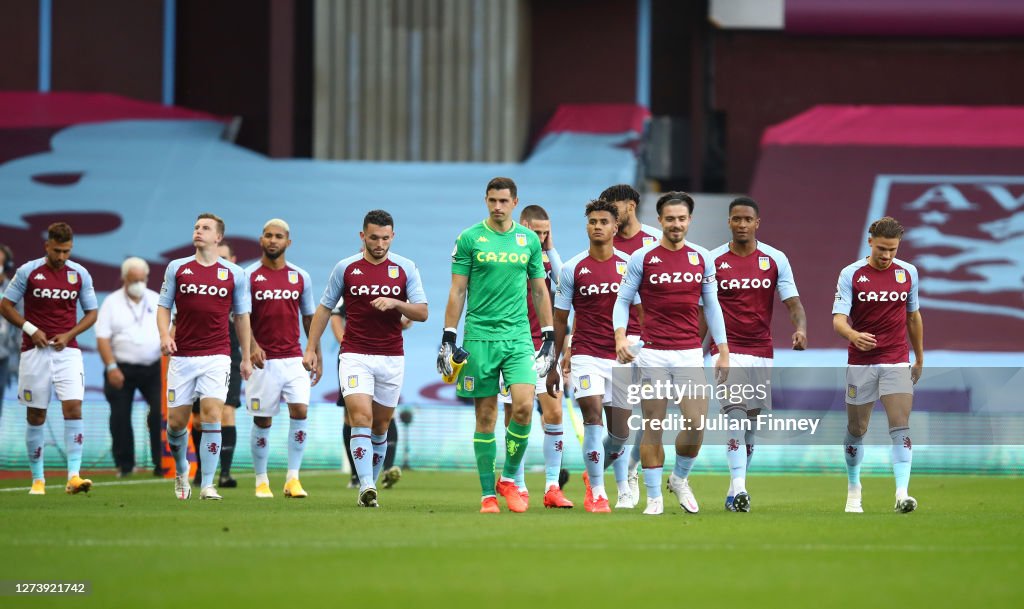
(131, 327)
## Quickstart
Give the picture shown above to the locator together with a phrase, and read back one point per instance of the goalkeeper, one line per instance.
(490, 265)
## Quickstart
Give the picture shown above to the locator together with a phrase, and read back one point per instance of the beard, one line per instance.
(274, 255)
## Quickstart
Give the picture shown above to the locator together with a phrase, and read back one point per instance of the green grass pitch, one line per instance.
(428, 547)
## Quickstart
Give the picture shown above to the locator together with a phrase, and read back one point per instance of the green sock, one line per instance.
(486, 451)
(516, 438)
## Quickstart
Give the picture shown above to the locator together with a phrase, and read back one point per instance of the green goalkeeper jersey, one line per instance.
(497, 266)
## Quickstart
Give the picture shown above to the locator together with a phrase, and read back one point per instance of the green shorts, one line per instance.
(512, 359)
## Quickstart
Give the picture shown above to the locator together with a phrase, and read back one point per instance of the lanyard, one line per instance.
(142, 308)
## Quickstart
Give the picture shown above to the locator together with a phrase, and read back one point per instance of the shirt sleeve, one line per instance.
(556, 263)
(786, 286)
(535, 268)
(912, 302)
(16, 290)
(103, 327)
(242, 302)
(462, 254)
(414, 285)
(709, 297)
(844, 293)
(334, 288)
(628, 289)
(307, 306)
(87, 295)
(169, 287)
(566, 287)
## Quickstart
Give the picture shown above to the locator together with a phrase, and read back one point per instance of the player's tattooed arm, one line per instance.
(798, 316)
(11, 314)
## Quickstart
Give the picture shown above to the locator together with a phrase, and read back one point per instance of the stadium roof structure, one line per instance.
(951, 175)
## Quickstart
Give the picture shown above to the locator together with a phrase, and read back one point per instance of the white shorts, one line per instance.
(42, 371)
(671, 366)
(280, 379)
(749, 381)
(595, 376)
(866, 383)
(377, 375)
(198, 376)
(505, 393)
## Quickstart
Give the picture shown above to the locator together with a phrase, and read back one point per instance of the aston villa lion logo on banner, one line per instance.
(965, 235)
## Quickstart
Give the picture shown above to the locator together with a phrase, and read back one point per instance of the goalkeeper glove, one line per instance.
(545, 355)
(444, 354)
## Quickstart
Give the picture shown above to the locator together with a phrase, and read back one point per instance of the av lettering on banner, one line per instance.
(965, 235)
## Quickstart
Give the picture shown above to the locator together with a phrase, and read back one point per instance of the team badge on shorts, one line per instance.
(521, 239)
(254, 403)
(222, 274)
(851, 391)
(393, 272)
(293, 277)
(764, 263)
(470, 383)
(28, 395)
(648, 241)
(72, 277)
(585, 382)
(170, 395)
(353, 381)
(693, 257)
(620, 268)
(901, 276)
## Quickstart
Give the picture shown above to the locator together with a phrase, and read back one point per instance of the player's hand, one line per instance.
(566, 368)
(309, 360)
(549, 242)
(245, 369)
(554, 382)
(444, 354)
(40, 340)
(259, 356)
(722, 368)
(384, 303)
(624, 351)
(864, 341)
(116, 378)
(317, 372)
(168, 346)
(799, 341)
(60, 341)
(545, 358)
(915, 371)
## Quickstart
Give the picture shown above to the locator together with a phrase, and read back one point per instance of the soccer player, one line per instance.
(876, 309)
(491, 263)
(632, 236)
(535, 218)
(671, 277)
(379, 287)
(280, 292)
(52, 287)
(588, 284)
(228, 430)
(205, 289)
(749, 273)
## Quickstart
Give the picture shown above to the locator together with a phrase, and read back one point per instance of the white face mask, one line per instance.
(136, 289)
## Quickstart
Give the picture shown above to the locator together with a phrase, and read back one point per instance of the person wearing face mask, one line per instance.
(129, 343)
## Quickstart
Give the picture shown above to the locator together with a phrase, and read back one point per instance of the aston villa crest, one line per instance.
(648, 241)
(901, 276)
(293, 277)
(72, 276)
(521, 239)
(694, 258)
(764, 263)
(393, 272)
(222, 274)
(620, 268)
